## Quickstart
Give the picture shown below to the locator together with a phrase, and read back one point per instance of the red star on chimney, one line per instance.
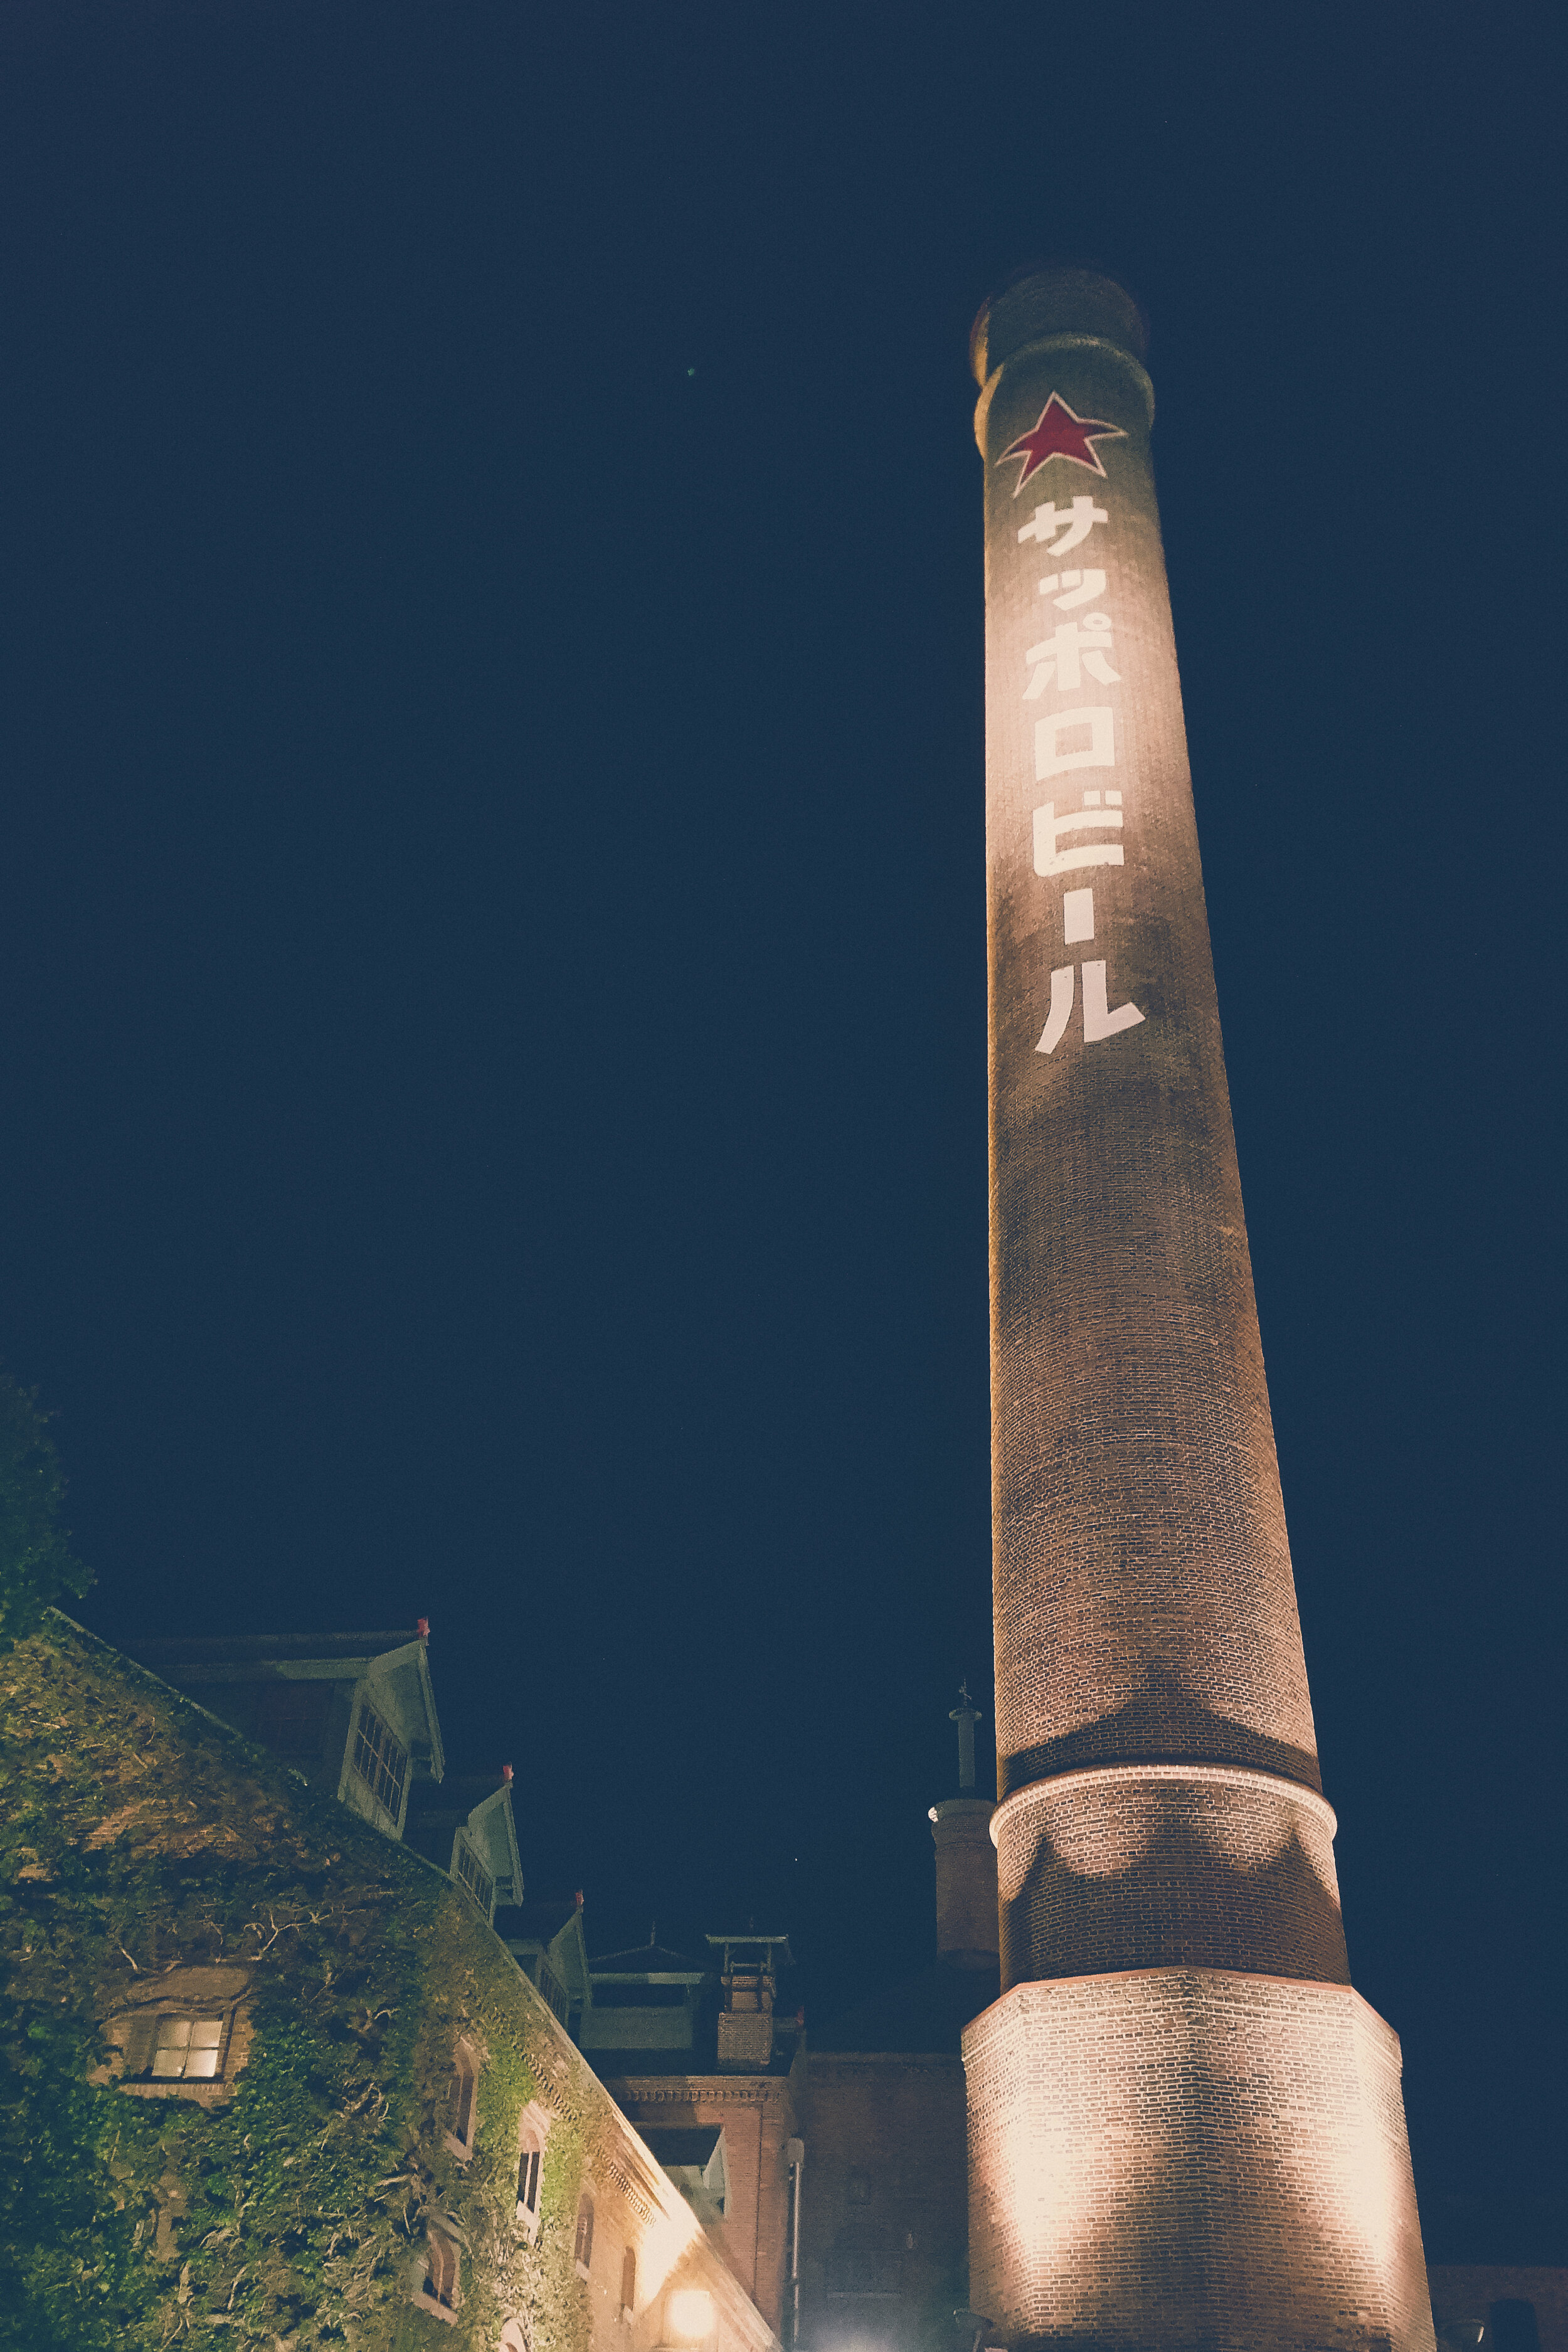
(1060, 433)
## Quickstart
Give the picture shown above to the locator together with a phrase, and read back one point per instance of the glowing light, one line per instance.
(690, 2314)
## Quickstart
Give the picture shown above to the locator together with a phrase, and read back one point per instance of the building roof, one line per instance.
(455, 1798)
(767, 1946)
(266, 1649)
(479, 1802)
(202, 1664)
(647, 1961)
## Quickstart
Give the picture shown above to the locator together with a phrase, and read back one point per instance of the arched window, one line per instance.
(513, 2337)
(530, 2157)
(629, 2281)
(461, 2101)
(583, 2247)
(441, 2270)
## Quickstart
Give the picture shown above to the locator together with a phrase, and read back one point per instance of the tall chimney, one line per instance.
(1185, 2129)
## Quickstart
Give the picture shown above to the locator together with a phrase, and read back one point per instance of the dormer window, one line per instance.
(475, 1876)
(380, 1760)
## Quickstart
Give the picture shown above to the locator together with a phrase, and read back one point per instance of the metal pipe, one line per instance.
(796, 2149)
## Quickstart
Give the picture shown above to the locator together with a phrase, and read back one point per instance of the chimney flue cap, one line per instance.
(1055, 299)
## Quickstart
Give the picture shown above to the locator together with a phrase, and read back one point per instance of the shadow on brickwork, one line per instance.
(1162, 1724)
(1179, 1903)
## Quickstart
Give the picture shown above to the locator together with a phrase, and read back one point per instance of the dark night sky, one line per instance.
(491, 912)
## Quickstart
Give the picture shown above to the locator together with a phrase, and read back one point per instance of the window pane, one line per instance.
(206, 2036)
(380, 1760)
(174, 2041)
(474, 1877)
(441, 2277)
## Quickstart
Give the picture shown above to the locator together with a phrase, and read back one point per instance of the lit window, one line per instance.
(628, 2279)
(476, 1877)
(582, 2246)
(381, 1761)
(188, 2049)
(528, 2165)
(460, 2103)
(441, 2270)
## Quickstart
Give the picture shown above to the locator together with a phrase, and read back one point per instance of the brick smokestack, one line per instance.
(966, 1924)
(1185, 2126)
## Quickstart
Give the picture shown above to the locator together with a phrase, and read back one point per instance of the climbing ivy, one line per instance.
(137, 1833)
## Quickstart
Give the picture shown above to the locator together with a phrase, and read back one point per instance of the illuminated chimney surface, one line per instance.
(1185, 2128)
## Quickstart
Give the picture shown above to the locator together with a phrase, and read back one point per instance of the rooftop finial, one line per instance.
(966, 1715)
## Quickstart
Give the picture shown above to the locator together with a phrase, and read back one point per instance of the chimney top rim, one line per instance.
(1058, 297)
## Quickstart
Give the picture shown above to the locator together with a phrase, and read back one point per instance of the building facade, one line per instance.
(280, 2080)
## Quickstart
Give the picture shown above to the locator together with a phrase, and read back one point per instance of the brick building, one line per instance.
(637, 2153)
(692, 2051)
(885, 2236)
(281, 2082)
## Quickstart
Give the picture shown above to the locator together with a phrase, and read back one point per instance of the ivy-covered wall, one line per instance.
(141, 1837)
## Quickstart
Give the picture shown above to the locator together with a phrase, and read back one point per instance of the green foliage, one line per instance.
(38, 1566)
(71, 2216)
(135, 1834)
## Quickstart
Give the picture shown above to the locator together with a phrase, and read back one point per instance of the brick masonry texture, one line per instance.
(965, 1876)
(875, 2265)
(756, 2119)
(1187, 2157)
(1158, 1865)
(1144, 1601)
(1184, 2128)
